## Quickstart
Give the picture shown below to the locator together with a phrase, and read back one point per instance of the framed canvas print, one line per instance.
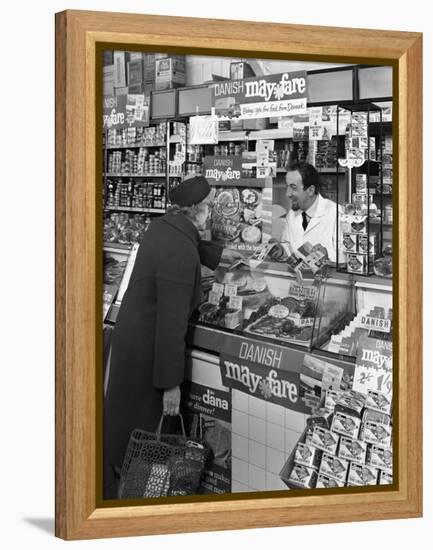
(238, 274)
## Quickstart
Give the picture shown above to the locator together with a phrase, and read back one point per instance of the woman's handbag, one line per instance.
(159, 465)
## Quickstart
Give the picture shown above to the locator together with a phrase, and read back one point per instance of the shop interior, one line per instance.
(311, 330)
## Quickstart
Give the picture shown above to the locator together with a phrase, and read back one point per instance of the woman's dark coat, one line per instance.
(148, 343)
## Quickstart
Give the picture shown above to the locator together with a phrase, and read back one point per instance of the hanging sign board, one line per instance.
(261, 97)
(203, 130)
(223, 170)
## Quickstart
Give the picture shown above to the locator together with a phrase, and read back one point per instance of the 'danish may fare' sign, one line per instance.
(257, 369)
(282, 94)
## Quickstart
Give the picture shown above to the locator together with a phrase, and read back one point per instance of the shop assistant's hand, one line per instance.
(229, 256)
(171, 401)
(277, 254)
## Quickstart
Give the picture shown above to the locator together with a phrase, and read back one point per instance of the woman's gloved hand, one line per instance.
(171, 401)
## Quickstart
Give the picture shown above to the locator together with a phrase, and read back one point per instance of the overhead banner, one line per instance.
(257, 368)
(274, 95)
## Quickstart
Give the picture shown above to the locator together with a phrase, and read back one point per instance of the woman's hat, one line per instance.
(190, 191)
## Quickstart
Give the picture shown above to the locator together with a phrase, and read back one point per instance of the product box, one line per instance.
(334, 466)
(149, 68)
(376, 434)
(345, 424)
(135, 72)
(380, 458)
(361, 183)
(367, 244)
(321, 417)
(375, 416)
(353, 450)
(385, 478)
(326, 482)
(108, 80)
(170, 72)
(351, 402)
(120, 59)
(325, 440)
(378, 401)
(350, 242)
(362, 474)
(307, 455)
(358, 263)
(301, 476)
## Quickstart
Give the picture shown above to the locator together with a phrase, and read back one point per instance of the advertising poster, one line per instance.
(261, 97)
(208, 417)
(373, 369)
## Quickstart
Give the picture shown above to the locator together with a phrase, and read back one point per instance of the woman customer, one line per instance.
(148, 343)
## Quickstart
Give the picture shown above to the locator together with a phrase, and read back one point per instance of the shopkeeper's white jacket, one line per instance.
(321, 228)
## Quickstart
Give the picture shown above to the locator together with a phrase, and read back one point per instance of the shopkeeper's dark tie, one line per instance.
(305, 220)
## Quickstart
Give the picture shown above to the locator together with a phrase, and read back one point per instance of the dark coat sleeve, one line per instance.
(210, 253)
(174, 300)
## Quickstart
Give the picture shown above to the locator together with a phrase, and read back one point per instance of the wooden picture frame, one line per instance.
(79, 513)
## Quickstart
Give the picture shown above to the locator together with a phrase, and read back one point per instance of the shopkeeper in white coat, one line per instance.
(312, 218)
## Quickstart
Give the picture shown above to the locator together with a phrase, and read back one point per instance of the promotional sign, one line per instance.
(257, 368)
(203, 130)
(261, 97)
(223, 170)
(114, 115)
(373, 369)
(123, 111)
(209, 417)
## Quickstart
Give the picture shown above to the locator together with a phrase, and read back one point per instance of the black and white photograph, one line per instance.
(248, 271)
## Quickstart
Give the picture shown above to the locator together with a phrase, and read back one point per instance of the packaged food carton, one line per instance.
(353, 450)
(345, 424)
(334, 466)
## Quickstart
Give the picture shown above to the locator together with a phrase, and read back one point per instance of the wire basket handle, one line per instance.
(182, 425)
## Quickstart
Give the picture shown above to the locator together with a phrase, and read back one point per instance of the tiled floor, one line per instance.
(263, 435)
